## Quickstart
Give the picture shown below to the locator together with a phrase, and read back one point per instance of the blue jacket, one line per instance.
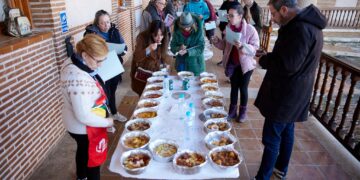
(198, 8)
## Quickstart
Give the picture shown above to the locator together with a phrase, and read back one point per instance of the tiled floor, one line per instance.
(310, 160)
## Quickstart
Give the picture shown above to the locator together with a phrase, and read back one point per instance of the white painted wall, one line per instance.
(79, 12)
(138, 14)
(346, 3)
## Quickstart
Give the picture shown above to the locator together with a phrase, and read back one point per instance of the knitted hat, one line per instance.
(186, 20)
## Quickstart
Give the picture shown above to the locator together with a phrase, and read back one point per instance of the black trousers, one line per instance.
(239, 81)
(111, 86)
(82, 156)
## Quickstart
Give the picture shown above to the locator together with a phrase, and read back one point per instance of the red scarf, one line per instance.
(186, 34)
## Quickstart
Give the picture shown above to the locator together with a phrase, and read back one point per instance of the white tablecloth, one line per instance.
(170, 128)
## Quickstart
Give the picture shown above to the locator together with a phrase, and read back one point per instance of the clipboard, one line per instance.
(111, 67)
(118, 48)
(231, 36)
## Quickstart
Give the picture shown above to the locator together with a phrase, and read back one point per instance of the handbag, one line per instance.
(142, 74)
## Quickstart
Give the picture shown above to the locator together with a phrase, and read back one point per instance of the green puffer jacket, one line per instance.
(193, 60)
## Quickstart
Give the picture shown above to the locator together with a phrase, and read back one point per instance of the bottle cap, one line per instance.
(181, 95)
(188, 113)
(191, 105)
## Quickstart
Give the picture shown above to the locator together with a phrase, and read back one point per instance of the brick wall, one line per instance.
(30, 108)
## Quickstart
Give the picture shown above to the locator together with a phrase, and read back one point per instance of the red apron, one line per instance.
(98, 139)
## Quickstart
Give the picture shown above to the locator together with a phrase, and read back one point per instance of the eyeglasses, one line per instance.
(164, 4)
(231, 15)
(98, 61)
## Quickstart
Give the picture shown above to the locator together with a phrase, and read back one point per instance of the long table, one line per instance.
(168, 127)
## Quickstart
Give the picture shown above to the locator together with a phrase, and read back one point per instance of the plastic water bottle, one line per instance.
(187, 130)
(192, 112)
(166, 86)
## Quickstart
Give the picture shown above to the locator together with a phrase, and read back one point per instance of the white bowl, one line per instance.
(206, 103)
(155, 79)
(131, 122)
(127, 154)
(210, 87)
(216, 136)
(208, 112)
(207, 74)
(185, 74)
(188, 170)
(153, 145)
(132, 134)
(225, 149)
(141, 110)
(154, 87)
(159, 73)
(141, 103)
(214, 94)
(208, 80)
(215, 127)
(147, 95)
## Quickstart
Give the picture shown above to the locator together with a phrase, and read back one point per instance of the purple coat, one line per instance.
(250, 38)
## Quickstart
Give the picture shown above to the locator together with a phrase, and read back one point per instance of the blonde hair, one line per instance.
(93, 45)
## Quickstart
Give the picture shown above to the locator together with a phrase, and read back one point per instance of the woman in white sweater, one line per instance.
(82, 93)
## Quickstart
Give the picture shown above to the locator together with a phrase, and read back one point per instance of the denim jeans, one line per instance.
(278, 139)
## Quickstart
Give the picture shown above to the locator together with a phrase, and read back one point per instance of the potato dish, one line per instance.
(146, 115)
(136, 161)
(222, 142)
(218, 126)
(190, 159)
(138, 126)
(152, 96)
(225, 158)
(217, 115)
(136, 141)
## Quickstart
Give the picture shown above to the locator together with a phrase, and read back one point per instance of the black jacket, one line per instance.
(114, 36)
(255, 12)
(285, 92)
(226, 6)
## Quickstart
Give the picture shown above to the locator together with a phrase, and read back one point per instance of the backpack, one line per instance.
(16, 25)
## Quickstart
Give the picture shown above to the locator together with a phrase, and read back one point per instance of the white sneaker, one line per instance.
(119, 117)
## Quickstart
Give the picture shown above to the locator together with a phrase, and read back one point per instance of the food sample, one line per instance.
(155, 88)
(153, 96)
(222, 142)
(225, 158)
(190, 159)
(215, 103)
(148, 114)
(149, 104)
(138, 126)
(136, 141)
(157, 81)
(217, 115)
(165, 150)
(215, 96)
(136, 161)
(210, 88)
(209, 81)
(218, 126)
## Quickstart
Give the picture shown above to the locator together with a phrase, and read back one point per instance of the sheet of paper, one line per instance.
(222, 15)
(210, 25)
(110, 67)
(169, 19)
(118, 48)
(231, 36)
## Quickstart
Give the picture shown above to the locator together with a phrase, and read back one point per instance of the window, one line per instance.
(23, 5)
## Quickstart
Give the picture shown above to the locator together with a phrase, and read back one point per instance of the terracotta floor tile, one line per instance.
(258, 133)
(309, 172)
(297, 146)
(245, 134)
(244, 125)
(300, 158)
(254, 115)
(311, 146)
(304, 134)
(252, 169)
(334, 172)
(252, 157)
(250, 144)
(300, 125)
(257, 124)
(243, 171)
(291, 174)
(321, 158)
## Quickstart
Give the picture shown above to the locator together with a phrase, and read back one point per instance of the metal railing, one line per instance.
(335, 101)
(337, 17)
